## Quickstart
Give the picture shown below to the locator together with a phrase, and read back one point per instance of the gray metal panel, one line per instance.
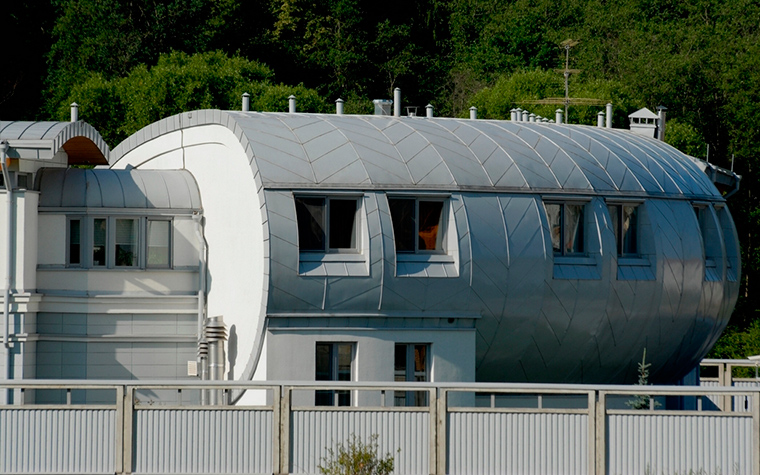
(203, 441)
(315, 431)
(540, 444)
(645, 443)
(57, 441)
(147, 189)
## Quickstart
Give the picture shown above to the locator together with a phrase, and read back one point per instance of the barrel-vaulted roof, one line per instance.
(102, 188)
(352, 151)
(42, 140)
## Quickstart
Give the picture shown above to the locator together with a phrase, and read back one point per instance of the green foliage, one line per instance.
(356, 458)
(642, 401)
(685, 137)
(180, 82)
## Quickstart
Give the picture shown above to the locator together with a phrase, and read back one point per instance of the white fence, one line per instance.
(464, 429)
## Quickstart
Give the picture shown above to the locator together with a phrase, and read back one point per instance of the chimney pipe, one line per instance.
(246, 102)
(532, 117)
(473, 112)
(397, 102)
(558, 116)
(292, 104)
(518, 114)
(339, 106)
(512, 115)
(525, 115)
(661, 122)
(608, 115)
(600, 119)
(429, 111)
(74, 112)
(216, 335)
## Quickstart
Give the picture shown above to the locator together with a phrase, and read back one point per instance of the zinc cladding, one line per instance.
(100, 188)
(42, 140)
(365, 152)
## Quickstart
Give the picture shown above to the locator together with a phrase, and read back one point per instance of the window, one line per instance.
(333, 363)
(566, 225)
(410, 364)
(417, 224)
(710, 250)
(625, 224)
(99, 241)
(125, 243)
(159, 243)
(75, 242)
(326, 224)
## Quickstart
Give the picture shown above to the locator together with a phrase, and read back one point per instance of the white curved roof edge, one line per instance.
(531, 157)
(42, 140)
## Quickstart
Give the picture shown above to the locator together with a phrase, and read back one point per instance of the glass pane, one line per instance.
(342, 224)
(404, 223)
(158, 243)
(553, 216)
(615, 224)
(323, 366)
(310, 213)
(344, 361)
(574, 229)
(420, 363)
(430, 223)
(630, 225)
(99, 232)
(126, 242)
(75, 240)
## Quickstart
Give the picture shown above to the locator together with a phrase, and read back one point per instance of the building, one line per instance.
(363, 248)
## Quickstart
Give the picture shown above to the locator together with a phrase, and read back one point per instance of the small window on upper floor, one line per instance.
(159, 234)
(327, 224)
(625, 223)
(418, 224)
(710, 240)
(74, 257)
(566, 224)
(125, 243)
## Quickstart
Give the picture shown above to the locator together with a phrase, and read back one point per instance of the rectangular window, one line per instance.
(708, 245)
(326, 224)
(333, 363)
(75, 242)
(159, 243)
(566, 225)
(99, 241)
(625, 224)
(411, 364)
(417, 224)
(125, 243)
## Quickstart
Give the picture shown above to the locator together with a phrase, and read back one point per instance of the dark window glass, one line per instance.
(75, 241)
(404, 223)
(99, 233)
(566, 227)
(430, 224)
(630, 245)
(125, 241)
(310, 213)
(574, 229)
(333, 363)
(554, 217)
(410, 364)
(342, 223)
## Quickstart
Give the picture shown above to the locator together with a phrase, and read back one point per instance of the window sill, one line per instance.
(574, 260)
(316, 264)
(633, 262)
(442, 258)
(331, 257)
(426, 265)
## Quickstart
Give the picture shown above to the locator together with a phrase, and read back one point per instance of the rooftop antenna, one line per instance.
(567, 100)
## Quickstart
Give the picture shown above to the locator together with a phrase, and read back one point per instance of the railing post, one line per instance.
(284, 429)
(119, 436)
(441, 431)
(129, 402)
(756, 433)
(433, 443)
(592, 433)
(276, 421)
(601, 434)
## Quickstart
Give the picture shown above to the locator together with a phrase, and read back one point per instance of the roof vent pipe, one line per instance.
(397, 102)
(513, 115)
(473, 112)
(661, 110)
(74, 112)
(339, 106)
(216, 335)
(525, 115)
(600, 119)
(292, 104)
(518, 114)
(429, 111)
(532, 117)
(246, 102)
(558, 116)
(608, 115)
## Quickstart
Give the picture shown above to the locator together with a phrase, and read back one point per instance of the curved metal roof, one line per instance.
(42, 140)
(350, 151)
(102, 188)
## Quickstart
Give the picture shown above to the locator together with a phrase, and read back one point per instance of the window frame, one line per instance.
(327, 397)
(114, 244)
(326, 225)
(170, 242)
(620, 237)
(563, 203)
(702, 213)
(411, 398)
(82, 241)
(441, 233)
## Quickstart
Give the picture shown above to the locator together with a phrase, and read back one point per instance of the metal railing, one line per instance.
(122, 427)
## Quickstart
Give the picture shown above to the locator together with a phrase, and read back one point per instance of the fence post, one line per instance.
(591, 433)
(119, 436)
(601, 434)
(129, 401)
(284, 429)
(433, 443)
(276, 418)
(441, 431)
(756, 433)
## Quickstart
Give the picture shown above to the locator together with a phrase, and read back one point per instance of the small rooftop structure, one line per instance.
(644, 122)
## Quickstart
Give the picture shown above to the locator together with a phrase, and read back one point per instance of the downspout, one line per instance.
(8, 254)
(202, 357)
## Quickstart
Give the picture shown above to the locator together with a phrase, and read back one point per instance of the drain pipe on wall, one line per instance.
(8, 254)
(202, 357)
